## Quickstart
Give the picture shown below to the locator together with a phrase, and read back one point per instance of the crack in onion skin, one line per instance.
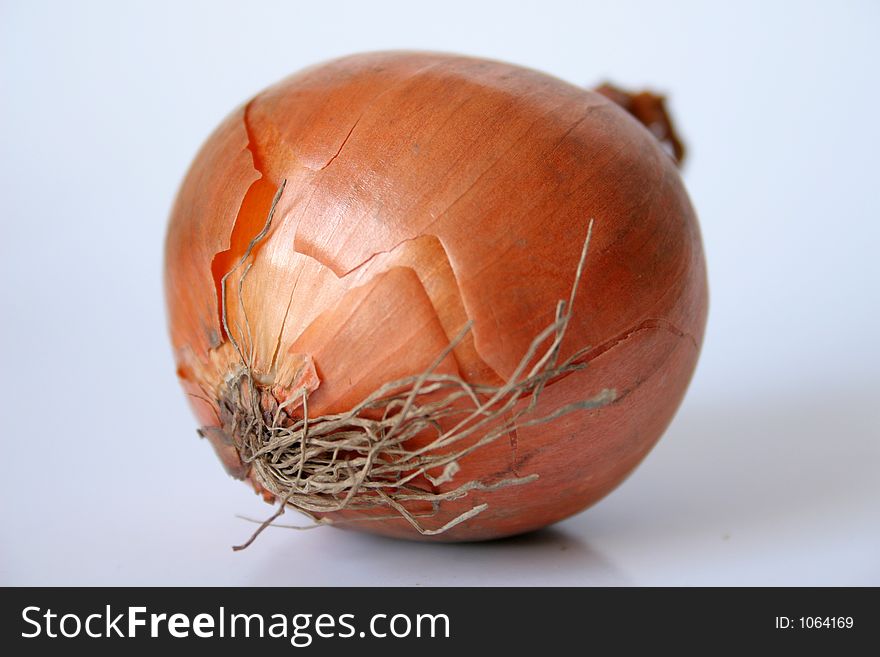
(449, 189)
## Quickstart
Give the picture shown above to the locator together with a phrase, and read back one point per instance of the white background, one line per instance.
(770, 473)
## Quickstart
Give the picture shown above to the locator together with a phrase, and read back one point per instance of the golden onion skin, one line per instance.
(424, 191)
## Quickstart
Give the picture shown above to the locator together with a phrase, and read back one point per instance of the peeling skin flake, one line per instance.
(248, 222)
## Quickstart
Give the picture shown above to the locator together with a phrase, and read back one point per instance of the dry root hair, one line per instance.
(364, 458)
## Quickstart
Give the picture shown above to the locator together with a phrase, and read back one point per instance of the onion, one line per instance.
(387, 313)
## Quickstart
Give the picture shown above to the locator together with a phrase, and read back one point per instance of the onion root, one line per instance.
(376, 454)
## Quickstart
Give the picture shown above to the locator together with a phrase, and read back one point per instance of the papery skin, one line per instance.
(423, 191)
